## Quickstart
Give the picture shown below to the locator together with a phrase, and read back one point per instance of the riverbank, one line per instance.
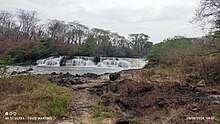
(133, 96)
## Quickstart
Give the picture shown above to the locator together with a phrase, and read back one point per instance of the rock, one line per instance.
(77, 75)
(67, 75)
(201, 83)
(75, 81)
(53, 73)
(14, 73)
(122, 121)
(23, 72)
(114, 76)
(97, 60)
(91, 75)
(30, 69)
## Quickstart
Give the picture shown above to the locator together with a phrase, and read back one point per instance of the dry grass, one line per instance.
(33, 96)
(163, 70)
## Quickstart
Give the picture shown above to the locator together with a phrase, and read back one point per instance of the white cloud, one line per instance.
(158, 18)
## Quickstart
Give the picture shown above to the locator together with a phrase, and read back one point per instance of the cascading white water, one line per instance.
(51, 61)
(89, 62)
(80, 61)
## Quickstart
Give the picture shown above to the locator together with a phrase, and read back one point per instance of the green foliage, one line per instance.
(4, 66)
(169, 46)
(58, 105)
(89, 46)
(24, 56)
(42, 49)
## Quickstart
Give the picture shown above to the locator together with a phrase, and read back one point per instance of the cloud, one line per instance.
(158, 18)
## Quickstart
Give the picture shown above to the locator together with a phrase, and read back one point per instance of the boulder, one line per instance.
(201, 83)
(114, 76)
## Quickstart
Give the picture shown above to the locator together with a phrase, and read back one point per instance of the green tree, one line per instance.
(89, 46)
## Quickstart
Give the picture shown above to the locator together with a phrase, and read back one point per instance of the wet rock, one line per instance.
(122, 121)
(97, 60)
(53, 73)
(91, 75)
(23, 72)
(30, 69)
(114, 76)
(201, 83)
(77, 75)
(14, 73)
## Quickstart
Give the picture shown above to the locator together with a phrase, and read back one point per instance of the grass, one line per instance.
(33, 96)
(162, 70)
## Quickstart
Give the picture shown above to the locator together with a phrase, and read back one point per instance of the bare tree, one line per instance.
(27, 22)
(208, 13)
(56, 29)
(7, 24)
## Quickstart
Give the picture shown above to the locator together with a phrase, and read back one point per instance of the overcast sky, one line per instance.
(159, 19)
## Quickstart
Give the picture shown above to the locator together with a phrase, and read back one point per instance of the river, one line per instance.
(81, 65)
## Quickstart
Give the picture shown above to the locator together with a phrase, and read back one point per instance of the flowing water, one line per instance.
(81, 65)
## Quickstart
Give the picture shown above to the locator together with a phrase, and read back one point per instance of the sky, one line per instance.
(160, 19)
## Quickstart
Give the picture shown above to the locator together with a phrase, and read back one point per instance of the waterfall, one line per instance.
(82, 61)
(51, 61)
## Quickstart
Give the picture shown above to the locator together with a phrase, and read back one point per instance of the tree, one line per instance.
(56, 29)
(7, 24)
(89, 46)
(140, 43)
(27, 22)
(76, 33)
(209, 12)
